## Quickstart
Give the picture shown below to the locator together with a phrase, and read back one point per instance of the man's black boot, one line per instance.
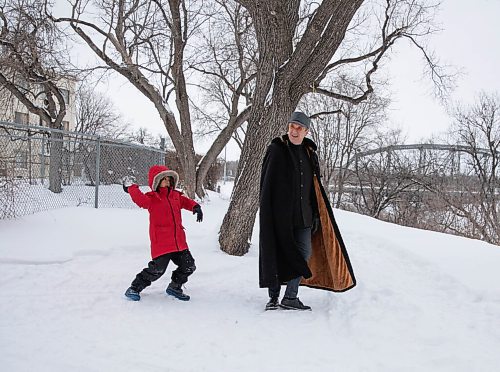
(272, 304)
(293, 304)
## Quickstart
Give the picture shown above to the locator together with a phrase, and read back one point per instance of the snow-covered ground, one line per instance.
(424, 301)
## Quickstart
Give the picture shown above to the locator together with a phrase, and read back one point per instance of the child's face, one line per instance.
(165, 182)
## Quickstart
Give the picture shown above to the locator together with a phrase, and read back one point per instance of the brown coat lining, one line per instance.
(327, 262)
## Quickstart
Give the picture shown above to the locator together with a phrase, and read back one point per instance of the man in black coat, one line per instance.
(288, 213)
(300, 242)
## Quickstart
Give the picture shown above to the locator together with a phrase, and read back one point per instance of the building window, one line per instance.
(21, 159)
(65, 125)
(65, 94)
(21, 118)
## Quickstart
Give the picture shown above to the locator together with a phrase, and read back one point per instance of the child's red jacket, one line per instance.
(165, 223)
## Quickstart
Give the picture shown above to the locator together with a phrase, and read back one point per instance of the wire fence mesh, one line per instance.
(43, 168)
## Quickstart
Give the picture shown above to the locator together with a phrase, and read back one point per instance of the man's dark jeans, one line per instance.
(303, 239)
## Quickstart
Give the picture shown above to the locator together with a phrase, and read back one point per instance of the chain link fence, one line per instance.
(43, 168)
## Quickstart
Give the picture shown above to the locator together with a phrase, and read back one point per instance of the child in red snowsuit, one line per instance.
(168, 240)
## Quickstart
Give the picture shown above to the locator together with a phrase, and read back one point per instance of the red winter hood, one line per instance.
(157, 172)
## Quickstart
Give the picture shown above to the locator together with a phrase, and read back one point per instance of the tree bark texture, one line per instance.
(55, 167)
(236, 231)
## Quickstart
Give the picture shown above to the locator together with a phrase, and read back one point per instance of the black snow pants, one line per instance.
(157, 267)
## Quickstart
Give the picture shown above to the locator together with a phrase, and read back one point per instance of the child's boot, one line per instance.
(132, 294)
(175, 289)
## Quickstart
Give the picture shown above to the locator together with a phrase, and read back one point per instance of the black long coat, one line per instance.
(279, 257)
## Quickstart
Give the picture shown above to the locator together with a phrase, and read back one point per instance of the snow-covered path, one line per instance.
(424, 301)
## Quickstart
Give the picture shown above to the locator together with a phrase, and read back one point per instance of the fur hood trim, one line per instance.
(158, 172)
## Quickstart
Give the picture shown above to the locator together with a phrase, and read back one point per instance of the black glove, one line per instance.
(315, 225)
(128, 181)
(198, 212)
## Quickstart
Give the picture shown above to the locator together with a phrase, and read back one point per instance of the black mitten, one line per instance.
(198, 212)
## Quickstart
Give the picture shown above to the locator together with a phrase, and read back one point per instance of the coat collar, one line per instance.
(164, 191)
(284, 140)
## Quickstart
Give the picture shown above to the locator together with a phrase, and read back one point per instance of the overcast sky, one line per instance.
(470, 41)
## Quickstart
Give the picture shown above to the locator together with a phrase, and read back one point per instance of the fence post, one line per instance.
(30, 159)
(97, 166)
(42, 157)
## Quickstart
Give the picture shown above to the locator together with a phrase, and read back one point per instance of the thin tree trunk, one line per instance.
(55, 167)
(188, 163)
(216, 148)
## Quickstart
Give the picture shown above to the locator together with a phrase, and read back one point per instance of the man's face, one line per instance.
(296, 133)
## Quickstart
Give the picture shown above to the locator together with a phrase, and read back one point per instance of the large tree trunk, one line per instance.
(236, 230)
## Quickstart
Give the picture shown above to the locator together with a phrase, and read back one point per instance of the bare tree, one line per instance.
(143, 136)
(97, 115)
(382, 180)
(340, 130)
(382, 175)
(475, 195)
(32, 69)
(226, 60)
(299, 48)
(147, 42)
